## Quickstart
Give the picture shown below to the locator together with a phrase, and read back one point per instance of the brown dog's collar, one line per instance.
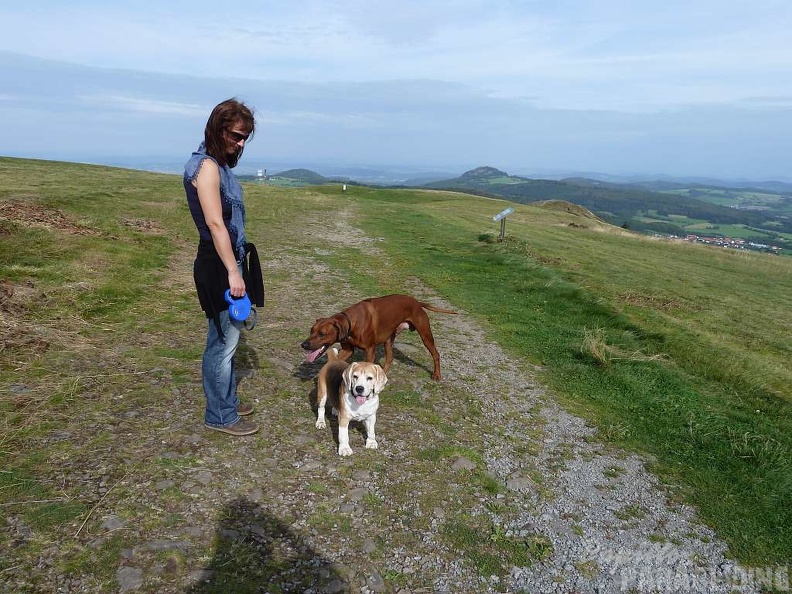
(349, 322)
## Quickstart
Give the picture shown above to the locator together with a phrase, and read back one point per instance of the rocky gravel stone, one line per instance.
(129, 579)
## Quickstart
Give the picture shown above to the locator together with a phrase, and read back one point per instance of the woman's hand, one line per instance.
(236, 283)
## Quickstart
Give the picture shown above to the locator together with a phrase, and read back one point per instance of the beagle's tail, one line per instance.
(332, 354)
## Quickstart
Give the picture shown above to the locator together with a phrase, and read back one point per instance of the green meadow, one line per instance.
(677, 351)
(734, 231)
(702, 227)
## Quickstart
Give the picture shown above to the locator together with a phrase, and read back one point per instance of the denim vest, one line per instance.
(230, 198)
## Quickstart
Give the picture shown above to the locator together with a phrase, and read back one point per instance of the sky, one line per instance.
(619, 87)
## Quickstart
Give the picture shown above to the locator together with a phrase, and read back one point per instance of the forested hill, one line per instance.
(618, 205)
(303, 175)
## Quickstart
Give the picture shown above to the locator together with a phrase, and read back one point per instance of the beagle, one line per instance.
(352, 390)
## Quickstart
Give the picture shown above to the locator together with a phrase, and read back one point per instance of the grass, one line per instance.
(678, 351)
(491, 549)
(75, 265)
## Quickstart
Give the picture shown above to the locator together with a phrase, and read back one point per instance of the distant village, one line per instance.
(732, 242)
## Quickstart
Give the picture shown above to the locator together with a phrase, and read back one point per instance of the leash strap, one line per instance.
(250, 323)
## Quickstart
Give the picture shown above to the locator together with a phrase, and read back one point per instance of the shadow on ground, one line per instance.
(255, 552)
(246, 360)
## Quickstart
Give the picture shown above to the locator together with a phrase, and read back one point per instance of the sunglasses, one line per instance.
(237, 137)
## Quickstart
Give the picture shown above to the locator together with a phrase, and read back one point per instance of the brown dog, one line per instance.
(373, 322)
(352, 390)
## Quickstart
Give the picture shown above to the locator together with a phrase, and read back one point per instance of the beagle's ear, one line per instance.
(380, 379)
(347, 375)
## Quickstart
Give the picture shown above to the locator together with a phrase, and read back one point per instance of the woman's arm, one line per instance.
(207, 182)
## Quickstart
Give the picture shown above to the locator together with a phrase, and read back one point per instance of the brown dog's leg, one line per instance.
(388, 353)
(345, 352)
(371, 354)
(425, 331)
(435, 356)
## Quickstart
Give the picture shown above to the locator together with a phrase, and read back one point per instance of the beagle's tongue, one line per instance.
(360, 399)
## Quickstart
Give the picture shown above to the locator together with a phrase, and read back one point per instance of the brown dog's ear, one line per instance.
(337, 327)
(343, 334)
(380, 379)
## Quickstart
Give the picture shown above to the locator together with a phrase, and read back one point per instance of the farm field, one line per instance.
(735, 198)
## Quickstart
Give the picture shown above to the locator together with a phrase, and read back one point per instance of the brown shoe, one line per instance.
(241, 427)
(244, 410)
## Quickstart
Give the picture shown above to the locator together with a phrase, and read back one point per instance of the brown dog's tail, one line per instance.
(437, 309)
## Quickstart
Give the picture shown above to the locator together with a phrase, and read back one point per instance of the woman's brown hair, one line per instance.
(224, 117)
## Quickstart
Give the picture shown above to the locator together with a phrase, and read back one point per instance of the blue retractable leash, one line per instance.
(240, 309)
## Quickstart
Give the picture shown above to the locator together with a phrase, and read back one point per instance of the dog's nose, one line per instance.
(360, 389)
(304, 344)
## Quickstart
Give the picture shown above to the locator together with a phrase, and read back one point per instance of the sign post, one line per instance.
(501, 216)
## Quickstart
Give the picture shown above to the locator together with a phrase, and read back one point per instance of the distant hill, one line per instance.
(303, 175)
(486, 174)
(661, 181)
(423, 179)
(623, 205)
(775, 187)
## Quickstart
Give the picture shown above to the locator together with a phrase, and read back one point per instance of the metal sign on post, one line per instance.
(501, 216)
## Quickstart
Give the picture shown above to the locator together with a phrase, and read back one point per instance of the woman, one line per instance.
(225, 260)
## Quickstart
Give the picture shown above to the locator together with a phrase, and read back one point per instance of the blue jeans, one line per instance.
(217, 369)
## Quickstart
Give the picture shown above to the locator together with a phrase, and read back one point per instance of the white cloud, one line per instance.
(146, 105)
(561, 54)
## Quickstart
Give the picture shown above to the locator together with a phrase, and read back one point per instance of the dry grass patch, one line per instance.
(27, 213)
(595, 345)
